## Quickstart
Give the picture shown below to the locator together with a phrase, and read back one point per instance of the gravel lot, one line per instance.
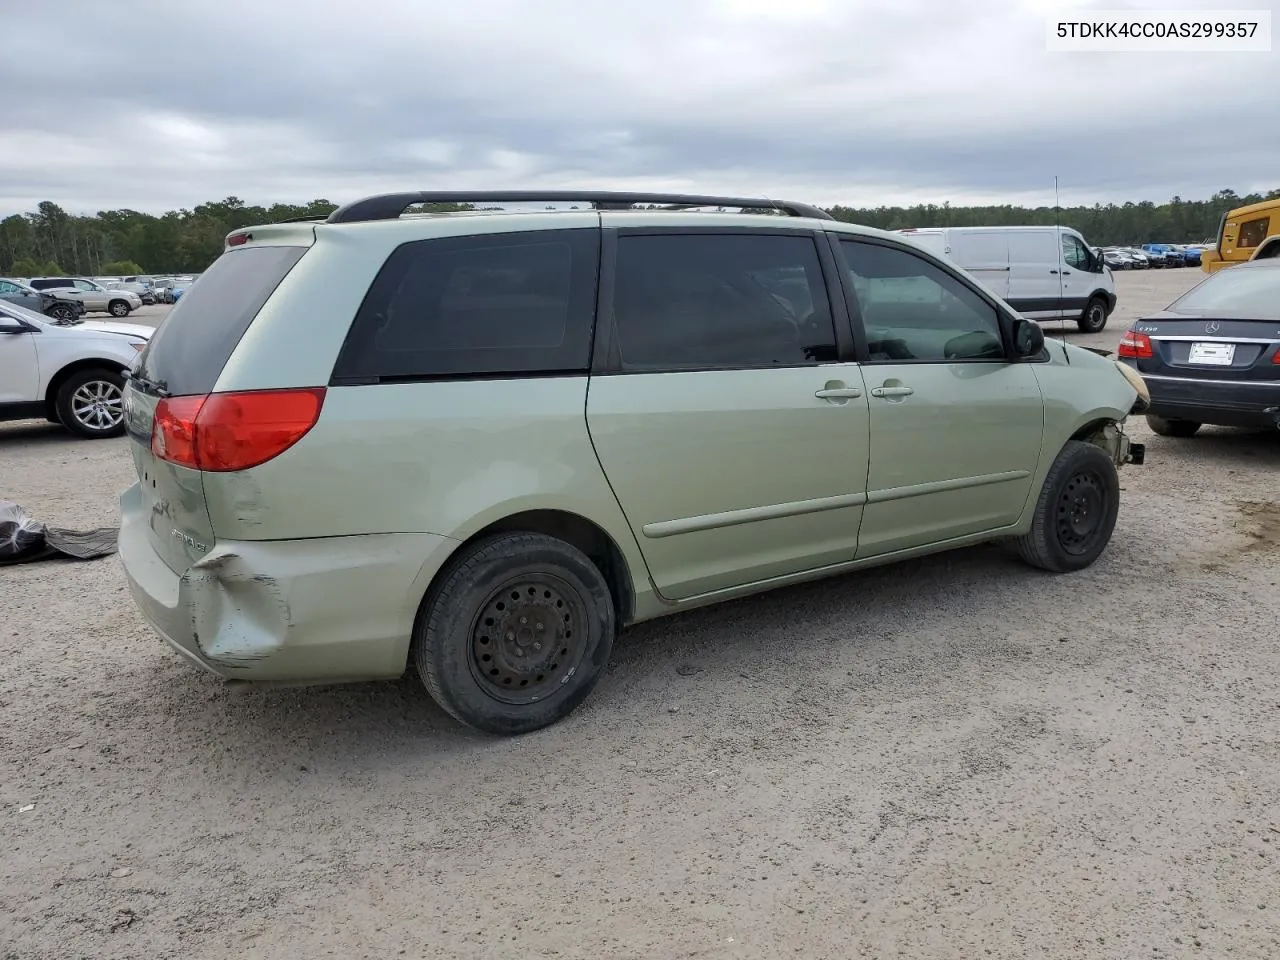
(954, 757)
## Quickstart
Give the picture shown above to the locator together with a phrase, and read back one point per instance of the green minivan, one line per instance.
(482, 442)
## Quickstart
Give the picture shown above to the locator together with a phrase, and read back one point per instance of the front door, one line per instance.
(1078, 280)
(732, 433)
(955, 425)
(19, 365)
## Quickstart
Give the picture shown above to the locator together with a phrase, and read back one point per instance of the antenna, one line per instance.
(1057, 240)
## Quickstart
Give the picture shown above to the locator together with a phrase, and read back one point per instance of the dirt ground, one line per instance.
(955, 757)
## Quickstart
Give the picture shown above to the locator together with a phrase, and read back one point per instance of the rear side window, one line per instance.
(197, 338)
(727, 301)
(500, 304)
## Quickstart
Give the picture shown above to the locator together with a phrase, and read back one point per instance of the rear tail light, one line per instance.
(1136, 346)
(222, 432)
(238, 239)
(1275, 357)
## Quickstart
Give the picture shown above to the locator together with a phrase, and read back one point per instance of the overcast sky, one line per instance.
(163, 104)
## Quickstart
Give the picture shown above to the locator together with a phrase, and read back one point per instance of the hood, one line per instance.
(126, 329)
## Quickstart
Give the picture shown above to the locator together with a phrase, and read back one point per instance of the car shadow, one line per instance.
(265, 730)
(1225, 445)
(34, 432)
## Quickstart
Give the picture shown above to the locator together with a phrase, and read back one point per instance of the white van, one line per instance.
(1045, 273)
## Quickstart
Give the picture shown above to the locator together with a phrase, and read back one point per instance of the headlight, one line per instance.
(1138, 384)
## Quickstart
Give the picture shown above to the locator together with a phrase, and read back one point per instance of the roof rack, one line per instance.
(389, 206)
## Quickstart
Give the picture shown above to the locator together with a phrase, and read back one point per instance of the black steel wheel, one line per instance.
(515, 633)
(529, 637)
(1094, 317)
(1076, 511)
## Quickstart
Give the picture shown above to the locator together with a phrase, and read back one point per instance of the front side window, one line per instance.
(516, 303)
(727, 301)
(7, 287)
(913, 310)
(1074, 253)
(1253, 232)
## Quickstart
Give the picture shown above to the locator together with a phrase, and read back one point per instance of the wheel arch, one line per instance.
(573, 528)
(74, 367)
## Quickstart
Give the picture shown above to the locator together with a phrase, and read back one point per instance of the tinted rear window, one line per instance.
(1240, 293)
(514, 303)
(197, 338)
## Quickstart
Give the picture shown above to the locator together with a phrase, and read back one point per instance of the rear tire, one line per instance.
(118, 308)
(1172, 428)
(90, 403)
(1094, 318)
(1076, 511)
(516, 633)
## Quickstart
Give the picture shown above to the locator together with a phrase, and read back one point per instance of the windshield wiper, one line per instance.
(158, 387)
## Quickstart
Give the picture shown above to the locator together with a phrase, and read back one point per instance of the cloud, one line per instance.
(154, 105)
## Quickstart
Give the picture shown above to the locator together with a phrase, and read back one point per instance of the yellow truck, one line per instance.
(1245, 233)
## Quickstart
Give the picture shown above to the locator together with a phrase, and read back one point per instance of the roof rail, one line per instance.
(389, 206)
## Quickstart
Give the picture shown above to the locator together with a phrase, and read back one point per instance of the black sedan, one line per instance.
(1213, 355)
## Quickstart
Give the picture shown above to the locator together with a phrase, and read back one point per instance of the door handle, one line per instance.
(888, 393)
(1053, 271)
(837, 393)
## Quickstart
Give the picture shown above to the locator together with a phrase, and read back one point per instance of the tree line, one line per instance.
(52, 241)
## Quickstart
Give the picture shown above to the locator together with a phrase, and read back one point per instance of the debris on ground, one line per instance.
(23, 540)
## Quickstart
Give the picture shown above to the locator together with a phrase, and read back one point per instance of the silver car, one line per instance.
(95, 297)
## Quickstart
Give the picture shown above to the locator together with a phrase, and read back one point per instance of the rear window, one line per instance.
(506, 304)
(1240, 293)
(197, 338)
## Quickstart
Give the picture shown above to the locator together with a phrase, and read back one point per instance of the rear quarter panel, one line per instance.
(446, 458)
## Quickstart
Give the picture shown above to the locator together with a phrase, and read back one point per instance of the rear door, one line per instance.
(1035, 273)
(182, 363)
(727, 415)
(984, 256)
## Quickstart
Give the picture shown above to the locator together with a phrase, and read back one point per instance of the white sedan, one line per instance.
(70, 373)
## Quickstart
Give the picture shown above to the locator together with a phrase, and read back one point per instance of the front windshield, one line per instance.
(1239, 293)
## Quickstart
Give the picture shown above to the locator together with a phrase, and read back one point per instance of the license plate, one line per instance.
(1212, 354)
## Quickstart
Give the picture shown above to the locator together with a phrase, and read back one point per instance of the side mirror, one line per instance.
(1028, 338)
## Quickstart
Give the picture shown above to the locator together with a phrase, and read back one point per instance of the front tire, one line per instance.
(516, 633)
(1094, 318)
(1172, 428)
(118, 308)
(90, 403)
(61, 313)
(1076, 511)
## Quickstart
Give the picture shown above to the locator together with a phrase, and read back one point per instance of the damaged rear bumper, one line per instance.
(297, 611)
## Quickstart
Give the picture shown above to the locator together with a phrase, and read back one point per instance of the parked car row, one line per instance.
(1151, 255)
(90, 296)
(152, 289)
